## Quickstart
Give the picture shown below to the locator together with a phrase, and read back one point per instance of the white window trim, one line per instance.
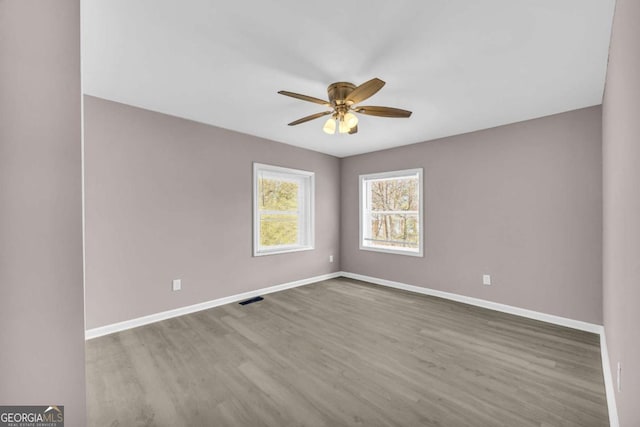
(363, 199)
(310, 227)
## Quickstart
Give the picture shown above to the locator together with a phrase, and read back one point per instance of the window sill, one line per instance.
(284, 250)
(392, 251)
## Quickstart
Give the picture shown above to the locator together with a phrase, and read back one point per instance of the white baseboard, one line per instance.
(156, 317)
(523, 312)
(608, 382)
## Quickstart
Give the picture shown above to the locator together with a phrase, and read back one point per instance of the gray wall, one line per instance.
(621, 173)
(169, 198)
(520, 202)
(41, 298)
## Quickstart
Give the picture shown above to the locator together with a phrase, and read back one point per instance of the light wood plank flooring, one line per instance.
(346, 353)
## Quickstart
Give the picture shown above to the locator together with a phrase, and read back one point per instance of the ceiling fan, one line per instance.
(343, 97)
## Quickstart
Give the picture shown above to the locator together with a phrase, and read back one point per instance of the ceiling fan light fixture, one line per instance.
(351, 120)
(343, 127)
(329, 126)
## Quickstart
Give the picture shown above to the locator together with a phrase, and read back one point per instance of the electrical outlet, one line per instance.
(330, 258)
(486, 279)
(176, 285)
(619, 373)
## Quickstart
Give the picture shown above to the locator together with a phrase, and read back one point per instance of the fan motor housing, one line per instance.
(339, 91)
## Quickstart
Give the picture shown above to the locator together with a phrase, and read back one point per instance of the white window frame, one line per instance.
(306, 217)
(363, 210)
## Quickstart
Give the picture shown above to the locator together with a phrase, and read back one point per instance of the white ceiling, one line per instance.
(459, 65)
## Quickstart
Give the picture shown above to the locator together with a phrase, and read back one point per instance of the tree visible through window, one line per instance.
(391, 212)
(278, 212)
(282, 209)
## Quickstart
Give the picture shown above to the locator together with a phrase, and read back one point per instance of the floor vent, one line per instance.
(251, 300)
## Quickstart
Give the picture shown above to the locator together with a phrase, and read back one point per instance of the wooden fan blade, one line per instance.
(311, 117)
(382, 111)
(365, 90)
(304, 97)
(353, 130)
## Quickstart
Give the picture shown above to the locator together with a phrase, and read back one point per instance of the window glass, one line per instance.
(391, 212)
(283, 214)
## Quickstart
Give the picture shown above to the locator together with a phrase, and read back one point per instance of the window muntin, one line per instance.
(283, 209)
(391, 212)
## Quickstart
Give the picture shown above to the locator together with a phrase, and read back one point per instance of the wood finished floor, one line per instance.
(346, 353)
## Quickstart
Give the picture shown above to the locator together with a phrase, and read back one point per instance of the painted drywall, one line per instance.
(169, 198)
(41, 295)
(520, 202)
(621, 219)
